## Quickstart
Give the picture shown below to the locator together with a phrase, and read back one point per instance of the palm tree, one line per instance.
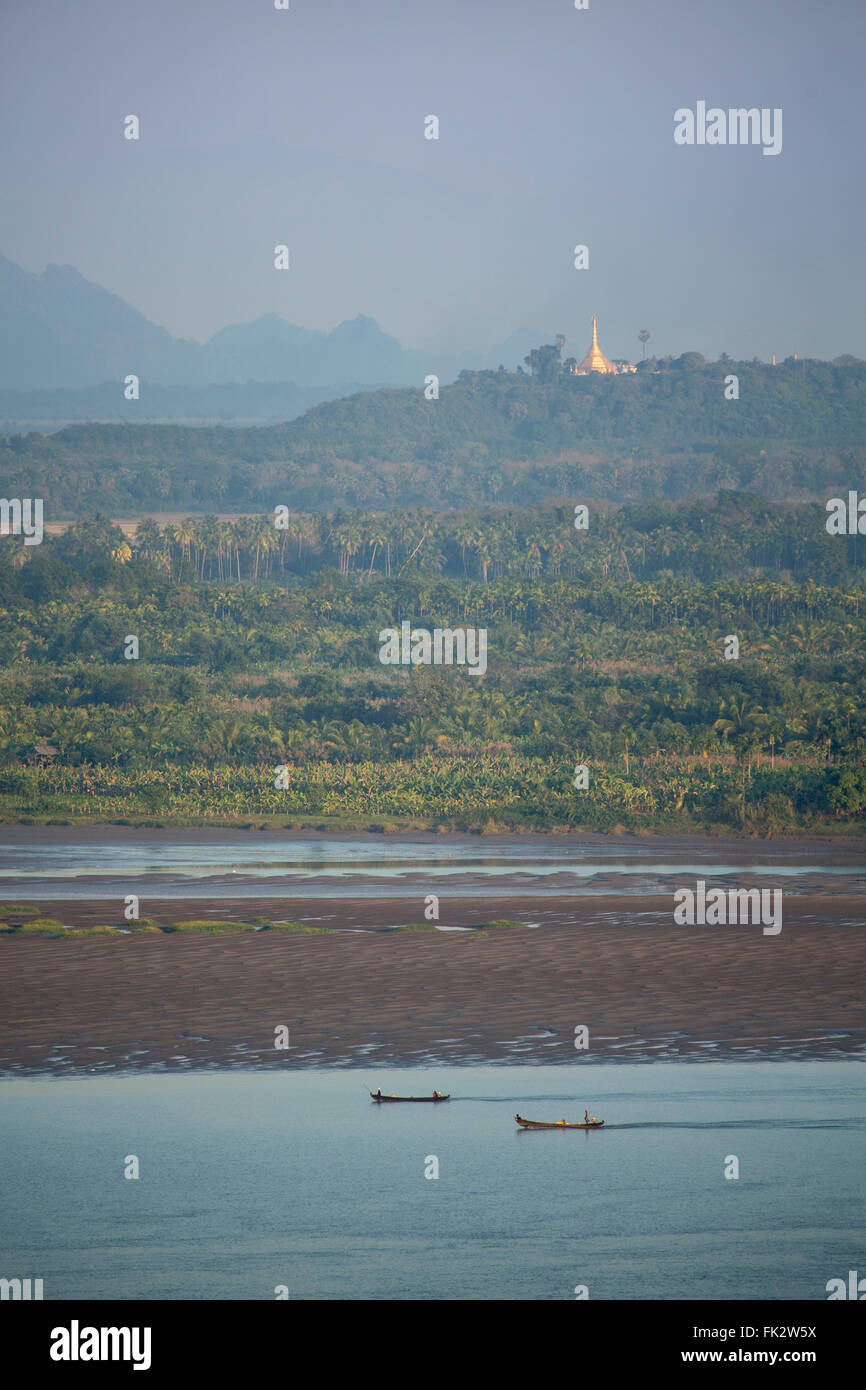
(72, 730)
(228, 733)
(208, 539)
(740, 719)
(148, 539)
(376, 539)
(185, 534)
(239, 531)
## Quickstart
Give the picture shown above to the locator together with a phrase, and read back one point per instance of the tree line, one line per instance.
(492, 436)
(610, 653)
(734, 536)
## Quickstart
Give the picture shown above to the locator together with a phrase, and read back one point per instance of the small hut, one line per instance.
(42, 754)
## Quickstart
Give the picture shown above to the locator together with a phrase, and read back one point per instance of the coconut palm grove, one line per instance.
(256, 696)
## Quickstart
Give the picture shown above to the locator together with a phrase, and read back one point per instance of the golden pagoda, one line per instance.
(595, 360)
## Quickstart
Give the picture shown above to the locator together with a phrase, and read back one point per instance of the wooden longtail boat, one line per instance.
(560, 1124)
(379, 1098)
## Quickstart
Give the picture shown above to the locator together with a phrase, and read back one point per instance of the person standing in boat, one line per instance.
(586, 1117)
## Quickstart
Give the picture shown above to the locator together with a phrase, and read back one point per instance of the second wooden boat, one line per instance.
(380, 1099)
(557, 1124)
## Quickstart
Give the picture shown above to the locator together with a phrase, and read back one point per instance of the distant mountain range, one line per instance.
(59, 333)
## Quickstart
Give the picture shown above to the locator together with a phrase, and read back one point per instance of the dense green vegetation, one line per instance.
(501, 437)
(605, 648)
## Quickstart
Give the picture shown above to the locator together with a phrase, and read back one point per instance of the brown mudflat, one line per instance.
(643, 986)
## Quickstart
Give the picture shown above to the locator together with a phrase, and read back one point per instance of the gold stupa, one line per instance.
(595, 360)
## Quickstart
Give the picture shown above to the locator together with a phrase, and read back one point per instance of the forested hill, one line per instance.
(796, 429)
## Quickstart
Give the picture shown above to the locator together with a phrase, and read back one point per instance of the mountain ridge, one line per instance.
(61, 331)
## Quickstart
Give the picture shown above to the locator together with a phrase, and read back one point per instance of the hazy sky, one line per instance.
(306, 127)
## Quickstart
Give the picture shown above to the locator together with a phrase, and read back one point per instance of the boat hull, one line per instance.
(390, 1100)
(539, 1124)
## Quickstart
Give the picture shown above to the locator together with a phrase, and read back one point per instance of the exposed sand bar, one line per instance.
(643, 986)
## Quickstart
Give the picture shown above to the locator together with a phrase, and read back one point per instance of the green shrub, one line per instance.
(211, 926)
(299, 928)
(41, 926)
(91, 931)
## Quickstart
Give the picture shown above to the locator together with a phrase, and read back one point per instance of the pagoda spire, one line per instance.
(595, 360)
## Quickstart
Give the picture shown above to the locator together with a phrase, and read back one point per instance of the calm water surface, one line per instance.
(254, 1180)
